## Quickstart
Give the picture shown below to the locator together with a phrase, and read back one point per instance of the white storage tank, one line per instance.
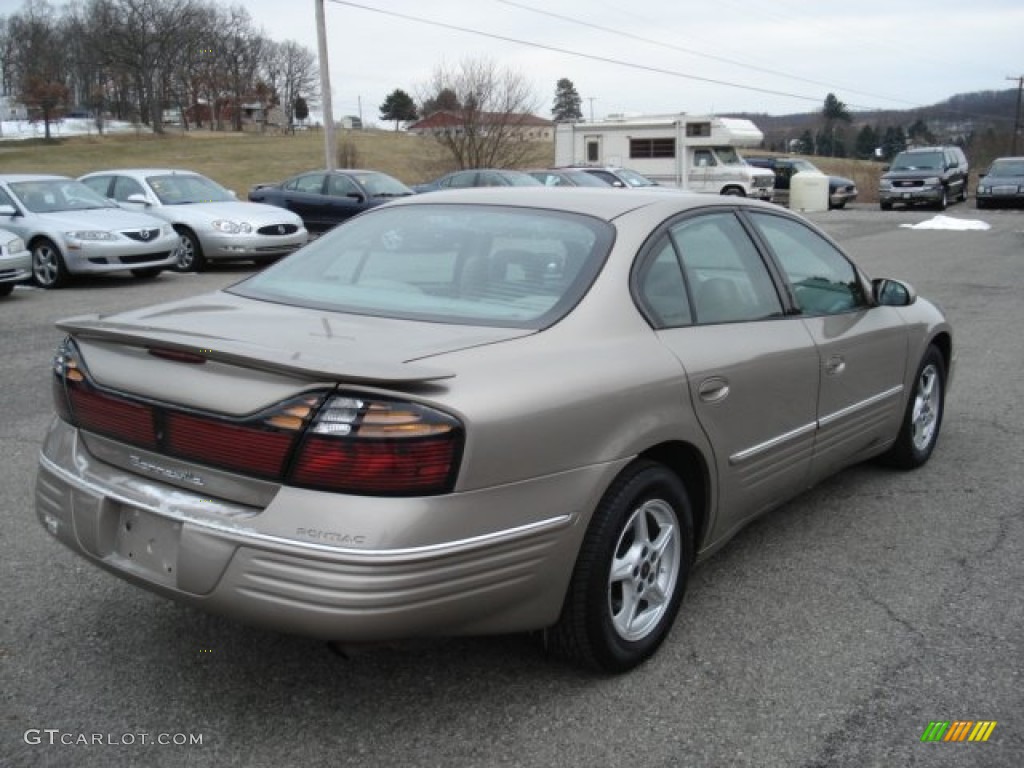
(808, 191)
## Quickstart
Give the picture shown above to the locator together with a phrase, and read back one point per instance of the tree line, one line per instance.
(134, 59)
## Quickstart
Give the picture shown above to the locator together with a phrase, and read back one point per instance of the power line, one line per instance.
(580, 54)
(693, 52)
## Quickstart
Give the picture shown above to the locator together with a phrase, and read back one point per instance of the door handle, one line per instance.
(713, 390)
(835, 365)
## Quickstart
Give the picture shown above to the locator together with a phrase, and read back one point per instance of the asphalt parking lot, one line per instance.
(828, 633)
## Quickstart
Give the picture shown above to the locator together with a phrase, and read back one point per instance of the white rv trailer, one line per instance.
(695, 152)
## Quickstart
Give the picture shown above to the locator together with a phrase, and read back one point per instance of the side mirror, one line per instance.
(892, 293)
(885, 168)
(138, 198)
(356, 196)
(8, 210)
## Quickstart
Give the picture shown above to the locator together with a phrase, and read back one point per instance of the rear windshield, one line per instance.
(471, 264)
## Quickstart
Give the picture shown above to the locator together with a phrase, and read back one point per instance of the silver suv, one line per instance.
(924, 175)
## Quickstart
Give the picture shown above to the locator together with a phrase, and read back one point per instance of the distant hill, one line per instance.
(981, 121)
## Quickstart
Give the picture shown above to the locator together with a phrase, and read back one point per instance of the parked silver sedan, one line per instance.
(213, 225)
(15, 262)
(72, 230)
(485, 411)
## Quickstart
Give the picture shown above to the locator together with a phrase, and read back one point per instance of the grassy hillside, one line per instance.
(235, 160)
(239, 160)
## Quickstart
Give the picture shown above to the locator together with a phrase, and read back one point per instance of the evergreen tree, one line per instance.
(567, 102)
(398, 106)
(446, 100)
(866, 143)
(301, 109)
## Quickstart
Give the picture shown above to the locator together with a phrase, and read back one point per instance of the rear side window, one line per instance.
(472, 264)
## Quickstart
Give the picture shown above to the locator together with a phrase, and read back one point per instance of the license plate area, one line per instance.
(148, 544)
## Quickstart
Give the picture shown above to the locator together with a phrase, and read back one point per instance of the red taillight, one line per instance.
(240, 448)
(380, 467)
(112, 416)
(341, 443)
(378, 447)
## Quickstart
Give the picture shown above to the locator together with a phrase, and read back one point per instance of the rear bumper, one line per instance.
(364, 569)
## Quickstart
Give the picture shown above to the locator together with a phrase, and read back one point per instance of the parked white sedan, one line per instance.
(71, 230)
(212, 224)
(15, 262)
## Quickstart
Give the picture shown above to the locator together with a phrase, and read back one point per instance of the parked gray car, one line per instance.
(212, 224)
(15, 262)
(73, 231)
(485, 411)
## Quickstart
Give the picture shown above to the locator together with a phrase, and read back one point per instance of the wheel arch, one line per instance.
(687, 462)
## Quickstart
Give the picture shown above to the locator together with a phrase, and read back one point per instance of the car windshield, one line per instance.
(918, 161)
(728, 156)
(803, 165)
(516, 179)
(634, 179)
(183, 189)
(1007, 168)
(467, 264)
(382, 185)
(53, 195)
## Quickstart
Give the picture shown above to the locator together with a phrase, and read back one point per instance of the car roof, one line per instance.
(145, 172)
(15, 177)
(603, 203)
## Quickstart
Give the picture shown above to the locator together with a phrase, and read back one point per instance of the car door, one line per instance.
(863, 347)
(702, 171)
(345, 198)
(304, 195)
(751, 371)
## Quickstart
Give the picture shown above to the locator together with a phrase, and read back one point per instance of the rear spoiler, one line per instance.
(364, 370)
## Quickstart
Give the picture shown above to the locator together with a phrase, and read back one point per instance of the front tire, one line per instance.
(943, 200)
(190, 253)
(147, 273)
(48, 268)
(923, 418)
(734, 192)
(631, 572)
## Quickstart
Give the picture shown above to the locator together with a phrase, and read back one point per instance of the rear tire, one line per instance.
(885, 206)
(630, 574)
(923, 418)
(48, 268)
(734, 192)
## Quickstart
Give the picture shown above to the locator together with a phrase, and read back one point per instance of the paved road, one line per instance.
(828, 633)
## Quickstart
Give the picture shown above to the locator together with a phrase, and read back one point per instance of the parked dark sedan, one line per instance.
(326, 198)
(840, 189)
(479, 177)
(1002, 184)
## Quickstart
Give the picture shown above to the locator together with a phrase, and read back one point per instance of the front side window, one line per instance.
(125, 187)
(341, 186)
(480, 265)
(824, 282)
(702, 158)
(725, 274)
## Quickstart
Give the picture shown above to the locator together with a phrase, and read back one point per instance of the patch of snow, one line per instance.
(70, 126)
(948, 222)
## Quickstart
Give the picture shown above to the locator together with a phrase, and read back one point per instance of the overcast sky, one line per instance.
(774, 56)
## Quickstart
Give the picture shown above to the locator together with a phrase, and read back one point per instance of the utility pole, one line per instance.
(1016, 122)
(325, 88)
(591, 100)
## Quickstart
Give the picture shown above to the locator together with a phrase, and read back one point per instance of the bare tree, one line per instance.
(37, 61)
(495, 107)
(292, 71)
